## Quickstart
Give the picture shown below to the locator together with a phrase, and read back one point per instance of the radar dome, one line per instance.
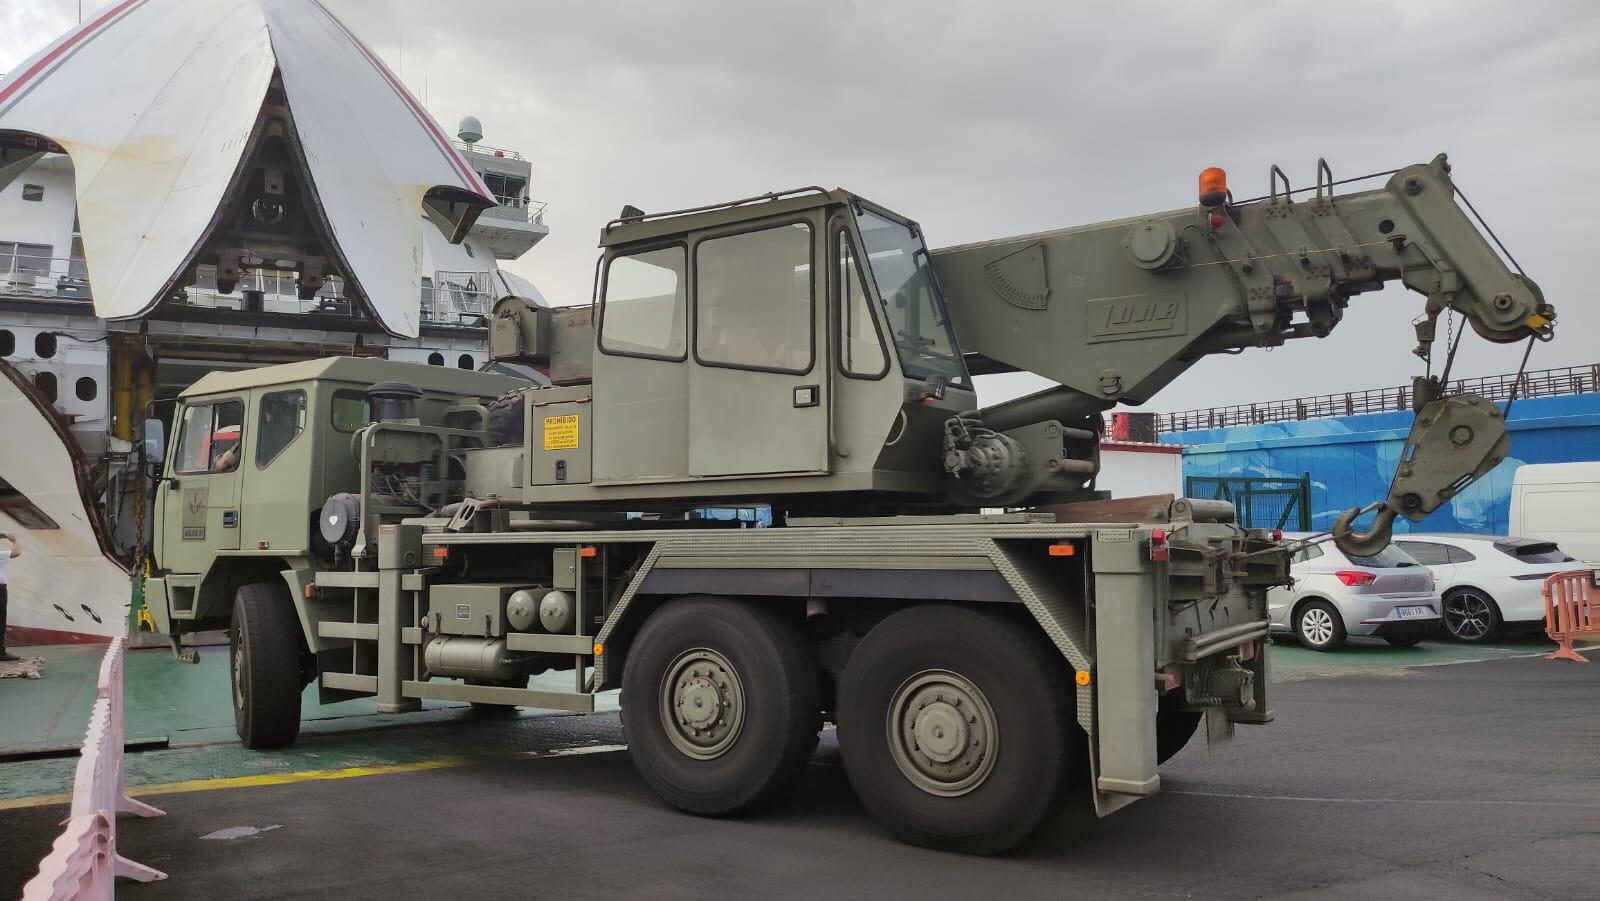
(470, 130)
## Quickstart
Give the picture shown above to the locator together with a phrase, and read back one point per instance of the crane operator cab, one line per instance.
(793, 348)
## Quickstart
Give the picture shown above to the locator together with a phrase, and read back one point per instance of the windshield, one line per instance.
(911, 301)
(1388, 558)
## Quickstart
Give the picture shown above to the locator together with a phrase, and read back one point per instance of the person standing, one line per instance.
(14, 550)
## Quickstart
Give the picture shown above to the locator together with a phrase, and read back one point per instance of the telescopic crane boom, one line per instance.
(1113, 312)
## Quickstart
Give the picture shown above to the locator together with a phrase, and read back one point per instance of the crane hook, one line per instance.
(1364, 544)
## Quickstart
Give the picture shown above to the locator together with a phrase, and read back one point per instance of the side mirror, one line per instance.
(155, 440)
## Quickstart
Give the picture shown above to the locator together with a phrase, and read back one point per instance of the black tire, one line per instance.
(1470, 616)
(1174, 725)
(995, 663)
(766, 680)
(1403, 641)
(264, 657)
(1319, 626)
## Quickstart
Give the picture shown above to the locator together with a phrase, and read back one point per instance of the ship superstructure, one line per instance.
(304, 255)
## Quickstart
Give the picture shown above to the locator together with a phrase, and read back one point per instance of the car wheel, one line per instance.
(1319, 626)
(722, 699)
(1470, 615)
(957, 728)
(1402, 641)
(264, 647)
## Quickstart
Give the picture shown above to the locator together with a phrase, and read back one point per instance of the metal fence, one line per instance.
(1541, 383)
(83, 861)
(1259, 503)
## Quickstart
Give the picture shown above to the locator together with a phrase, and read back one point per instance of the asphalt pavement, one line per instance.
(1471, 780)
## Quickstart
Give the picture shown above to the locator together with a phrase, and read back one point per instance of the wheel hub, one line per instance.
(1318, 625)
(702, 703)
(942, 733)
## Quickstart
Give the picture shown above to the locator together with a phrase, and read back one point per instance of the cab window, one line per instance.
(645, 306)
(212, 434)
(349, 410)
(282, 419)
(753, 299)
(861, 351)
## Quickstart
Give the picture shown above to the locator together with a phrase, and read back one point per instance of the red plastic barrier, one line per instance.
(1571, 610)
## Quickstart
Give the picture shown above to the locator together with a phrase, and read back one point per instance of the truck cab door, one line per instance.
(198, 503)
(758, 398)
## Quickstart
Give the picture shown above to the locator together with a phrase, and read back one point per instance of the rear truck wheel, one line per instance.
(722, 700)
(1403, 641)
(264, 650)
(956, 728)
(1319, 626)
(1470, 615)
(1174, 725)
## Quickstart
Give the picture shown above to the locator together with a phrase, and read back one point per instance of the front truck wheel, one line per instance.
(956, 727)
(264, 650)
(722, 703)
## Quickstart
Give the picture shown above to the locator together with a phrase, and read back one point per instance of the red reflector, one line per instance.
(1216, 221)
(1277, 534)
(1354, 577)
(1158, 536)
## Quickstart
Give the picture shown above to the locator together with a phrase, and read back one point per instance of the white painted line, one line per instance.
(575, 752)
(1317, 800)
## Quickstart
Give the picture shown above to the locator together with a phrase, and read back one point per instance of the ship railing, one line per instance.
(485, 150)
(518, 209)
(83, 861)
(448, 297)
(1541, 383)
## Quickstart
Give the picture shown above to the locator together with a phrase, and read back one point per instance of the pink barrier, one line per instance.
(83, 862)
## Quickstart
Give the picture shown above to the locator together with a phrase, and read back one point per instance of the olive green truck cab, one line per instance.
(942, 581)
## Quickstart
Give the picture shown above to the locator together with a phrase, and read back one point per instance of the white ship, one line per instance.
(88, 351)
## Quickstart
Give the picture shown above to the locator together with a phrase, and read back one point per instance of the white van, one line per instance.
(1559, 502)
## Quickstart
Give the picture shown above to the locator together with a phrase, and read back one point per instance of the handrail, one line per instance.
(1540, 383)
(83, 861)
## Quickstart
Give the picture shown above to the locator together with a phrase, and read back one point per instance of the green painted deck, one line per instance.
(188, 705)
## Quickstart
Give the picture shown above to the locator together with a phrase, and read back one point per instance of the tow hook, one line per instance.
(1364, 544)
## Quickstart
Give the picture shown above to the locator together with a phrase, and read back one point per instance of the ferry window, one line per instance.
(645, 305)
(283, 418)
(22, 511)
(29, 258)
(44, 344)
(8, 342)
(210, 437)
(86, 389)
(34, 193)
(465, 361)
(46, 383)
(436, 359)
(350, 411)
(861, 349)
(753, 299)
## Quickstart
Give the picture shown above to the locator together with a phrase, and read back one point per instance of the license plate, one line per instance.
(1413, 612)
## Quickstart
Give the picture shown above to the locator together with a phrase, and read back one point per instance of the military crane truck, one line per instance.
(942, 580)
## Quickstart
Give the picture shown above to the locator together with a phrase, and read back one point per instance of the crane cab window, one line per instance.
(753, 299)
(212, 434)
(861, 351)
(911, 302)
(646, 305)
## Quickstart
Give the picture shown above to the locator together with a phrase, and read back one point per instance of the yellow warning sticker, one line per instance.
(561, 432)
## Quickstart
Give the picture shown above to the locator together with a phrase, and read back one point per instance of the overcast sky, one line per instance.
(985, 119)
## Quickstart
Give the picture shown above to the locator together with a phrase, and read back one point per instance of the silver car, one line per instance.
(1387, 595)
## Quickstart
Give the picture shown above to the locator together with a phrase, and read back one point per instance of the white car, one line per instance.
(1387, 595)
(1490, 584)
